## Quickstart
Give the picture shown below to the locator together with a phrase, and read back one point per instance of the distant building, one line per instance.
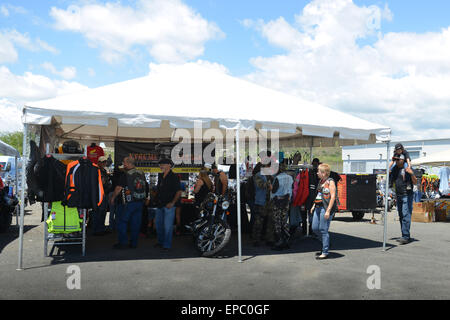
(371, 158)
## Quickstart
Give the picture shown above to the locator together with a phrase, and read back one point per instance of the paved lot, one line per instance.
(419, 270)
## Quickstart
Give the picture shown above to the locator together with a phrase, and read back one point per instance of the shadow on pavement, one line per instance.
(351, 220)
(100, 248)
(12, 234)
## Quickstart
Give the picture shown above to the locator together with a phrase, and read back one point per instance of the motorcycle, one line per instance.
(8, 204)
(211, 231)
(381, 199)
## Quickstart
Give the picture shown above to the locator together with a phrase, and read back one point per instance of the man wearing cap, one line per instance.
(404, 180)
(168, 193)
(133, 192)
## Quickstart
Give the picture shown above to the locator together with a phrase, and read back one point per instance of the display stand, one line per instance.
(64, 239)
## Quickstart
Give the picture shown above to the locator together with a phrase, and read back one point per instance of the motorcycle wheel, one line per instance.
(212, 239)
(391, 205)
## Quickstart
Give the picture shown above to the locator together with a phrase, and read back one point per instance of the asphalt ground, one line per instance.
(418, 270)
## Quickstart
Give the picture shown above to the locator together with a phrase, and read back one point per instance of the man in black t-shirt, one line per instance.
(220, 180)
(168, 193)
(404, 180)
(131, 188)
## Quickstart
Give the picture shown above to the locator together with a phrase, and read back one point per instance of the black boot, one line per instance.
(281, 244)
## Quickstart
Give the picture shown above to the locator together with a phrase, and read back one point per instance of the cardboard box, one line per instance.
(423, 217)
(423, 212)
(440, 215)
(422, 207)
(441, 209)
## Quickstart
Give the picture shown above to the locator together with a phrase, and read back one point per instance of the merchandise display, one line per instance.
(94, 152)
(63, 219)
(83, 185)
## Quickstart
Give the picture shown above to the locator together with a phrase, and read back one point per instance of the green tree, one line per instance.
(14, 139)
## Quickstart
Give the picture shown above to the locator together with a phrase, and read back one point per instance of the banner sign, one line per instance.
(189, 158)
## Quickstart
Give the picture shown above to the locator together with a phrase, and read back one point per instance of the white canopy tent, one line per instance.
(8, 150)
(435, 159)
(183, 97)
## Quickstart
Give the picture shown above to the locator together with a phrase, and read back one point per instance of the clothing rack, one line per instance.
(297, 167)
(63, 239)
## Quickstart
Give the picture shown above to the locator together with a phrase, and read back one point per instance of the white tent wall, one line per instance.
(182, 97)
(436, 159)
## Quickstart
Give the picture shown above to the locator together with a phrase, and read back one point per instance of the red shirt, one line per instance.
(93, 153)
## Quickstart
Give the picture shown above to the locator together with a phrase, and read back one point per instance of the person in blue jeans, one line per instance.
(168, 193)
(132, 190)
(325, 208)
(404, 180)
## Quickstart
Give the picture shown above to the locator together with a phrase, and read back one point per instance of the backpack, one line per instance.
(136, 186)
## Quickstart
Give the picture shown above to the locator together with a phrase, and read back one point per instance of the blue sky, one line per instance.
(259, 40)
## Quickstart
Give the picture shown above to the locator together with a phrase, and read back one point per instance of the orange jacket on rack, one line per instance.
(83, 187)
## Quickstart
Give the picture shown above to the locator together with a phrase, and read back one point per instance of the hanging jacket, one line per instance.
(313, 182)
(32, 183)
(63, 219)
(83, 185)
(50, 175)
(301, 189)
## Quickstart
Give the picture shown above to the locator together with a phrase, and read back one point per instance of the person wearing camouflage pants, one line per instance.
(262, 209)
(280, 195)
(280, 221)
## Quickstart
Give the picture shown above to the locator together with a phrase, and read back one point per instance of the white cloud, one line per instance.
(16, 90)
(4, 11)
(66, 73)
(9, 39)
(8, 52)
(46, 47)
(7, 9)
(399, 80)
(168, 29)
(11, 116)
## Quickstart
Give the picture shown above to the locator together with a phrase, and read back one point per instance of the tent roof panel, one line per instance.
(186, 93)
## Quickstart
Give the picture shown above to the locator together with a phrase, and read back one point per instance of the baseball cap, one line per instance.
(208, 165)
(398, 146)
(102, 158)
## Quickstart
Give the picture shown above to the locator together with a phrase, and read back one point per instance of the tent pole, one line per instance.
(16, 187)
(238, 191)
(386, 195)
(22, 195)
